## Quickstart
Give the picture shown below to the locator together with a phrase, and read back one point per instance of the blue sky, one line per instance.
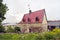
(17, 8)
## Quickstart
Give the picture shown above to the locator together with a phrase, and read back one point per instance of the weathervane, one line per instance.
(29, 8)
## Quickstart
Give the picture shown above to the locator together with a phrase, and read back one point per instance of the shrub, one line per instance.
(57, 33)
(40, 37)
(2, 29)
(17, 29)
(56, 30)
(52, 35)
(49, 36)
(10, 29)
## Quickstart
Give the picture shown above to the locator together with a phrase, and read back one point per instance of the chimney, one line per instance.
(29, 8)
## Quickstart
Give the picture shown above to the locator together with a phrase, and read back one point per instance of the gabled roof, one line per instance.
(32, 16)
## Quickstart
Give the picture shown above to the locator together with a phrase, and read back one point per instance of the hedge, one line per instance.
(52, 35)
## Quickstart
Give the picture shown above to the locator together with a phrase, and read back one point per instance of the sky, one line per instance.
(17, 8)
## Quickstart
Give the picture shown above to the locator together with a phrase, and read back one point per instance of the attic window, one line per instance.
(37, 19)
(23, 20)
(28, 19)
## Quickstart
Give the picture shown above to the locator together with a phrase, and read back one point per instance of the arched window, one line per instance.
(29, 20)
(37, 19)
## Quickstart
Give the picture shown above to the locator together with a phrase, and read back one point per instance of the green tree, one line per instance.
(3, 9)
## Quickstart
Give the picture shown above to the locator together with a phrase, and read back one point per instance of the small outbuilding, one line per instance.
(53, 24)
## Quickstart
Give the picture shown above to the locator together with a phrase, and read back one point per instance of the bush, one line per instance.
(57, 33)
(52, 35)
(40, 37)
(10, 29)
(2, 29)
(49, 36)
(17, 29)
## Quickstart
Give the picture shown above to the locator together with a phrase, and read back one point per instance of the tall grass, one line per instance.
(52, 35)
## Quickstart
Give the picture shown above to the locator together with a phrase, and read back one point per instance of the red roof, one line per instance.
(31, 18)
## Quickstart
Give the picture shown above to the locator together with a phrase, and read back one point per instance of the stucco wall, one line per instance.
(44, 23)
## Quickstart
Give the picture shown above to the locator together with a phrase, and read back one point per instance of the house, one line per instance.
(53, 24)
(34, 22)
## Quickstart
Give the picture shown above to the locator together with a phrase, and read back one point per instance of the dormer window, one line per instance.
(37, 19)
(23, 20)
(29, 20)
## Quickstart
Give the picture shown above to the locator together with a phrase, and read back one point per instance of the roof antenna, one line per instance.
(29, 8)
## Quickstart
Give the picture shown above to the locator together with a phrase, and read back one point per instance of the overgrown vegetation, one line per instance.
(9, 29)
(52, 35)
(2, 29)
(12, 30)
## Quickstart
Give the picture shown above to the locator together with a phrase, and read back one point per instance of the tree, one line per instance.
(3, 9)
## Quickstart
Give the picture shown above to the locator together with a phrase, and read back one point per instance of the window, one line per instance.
(28, 19)
(37, 19)
(23, 20)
